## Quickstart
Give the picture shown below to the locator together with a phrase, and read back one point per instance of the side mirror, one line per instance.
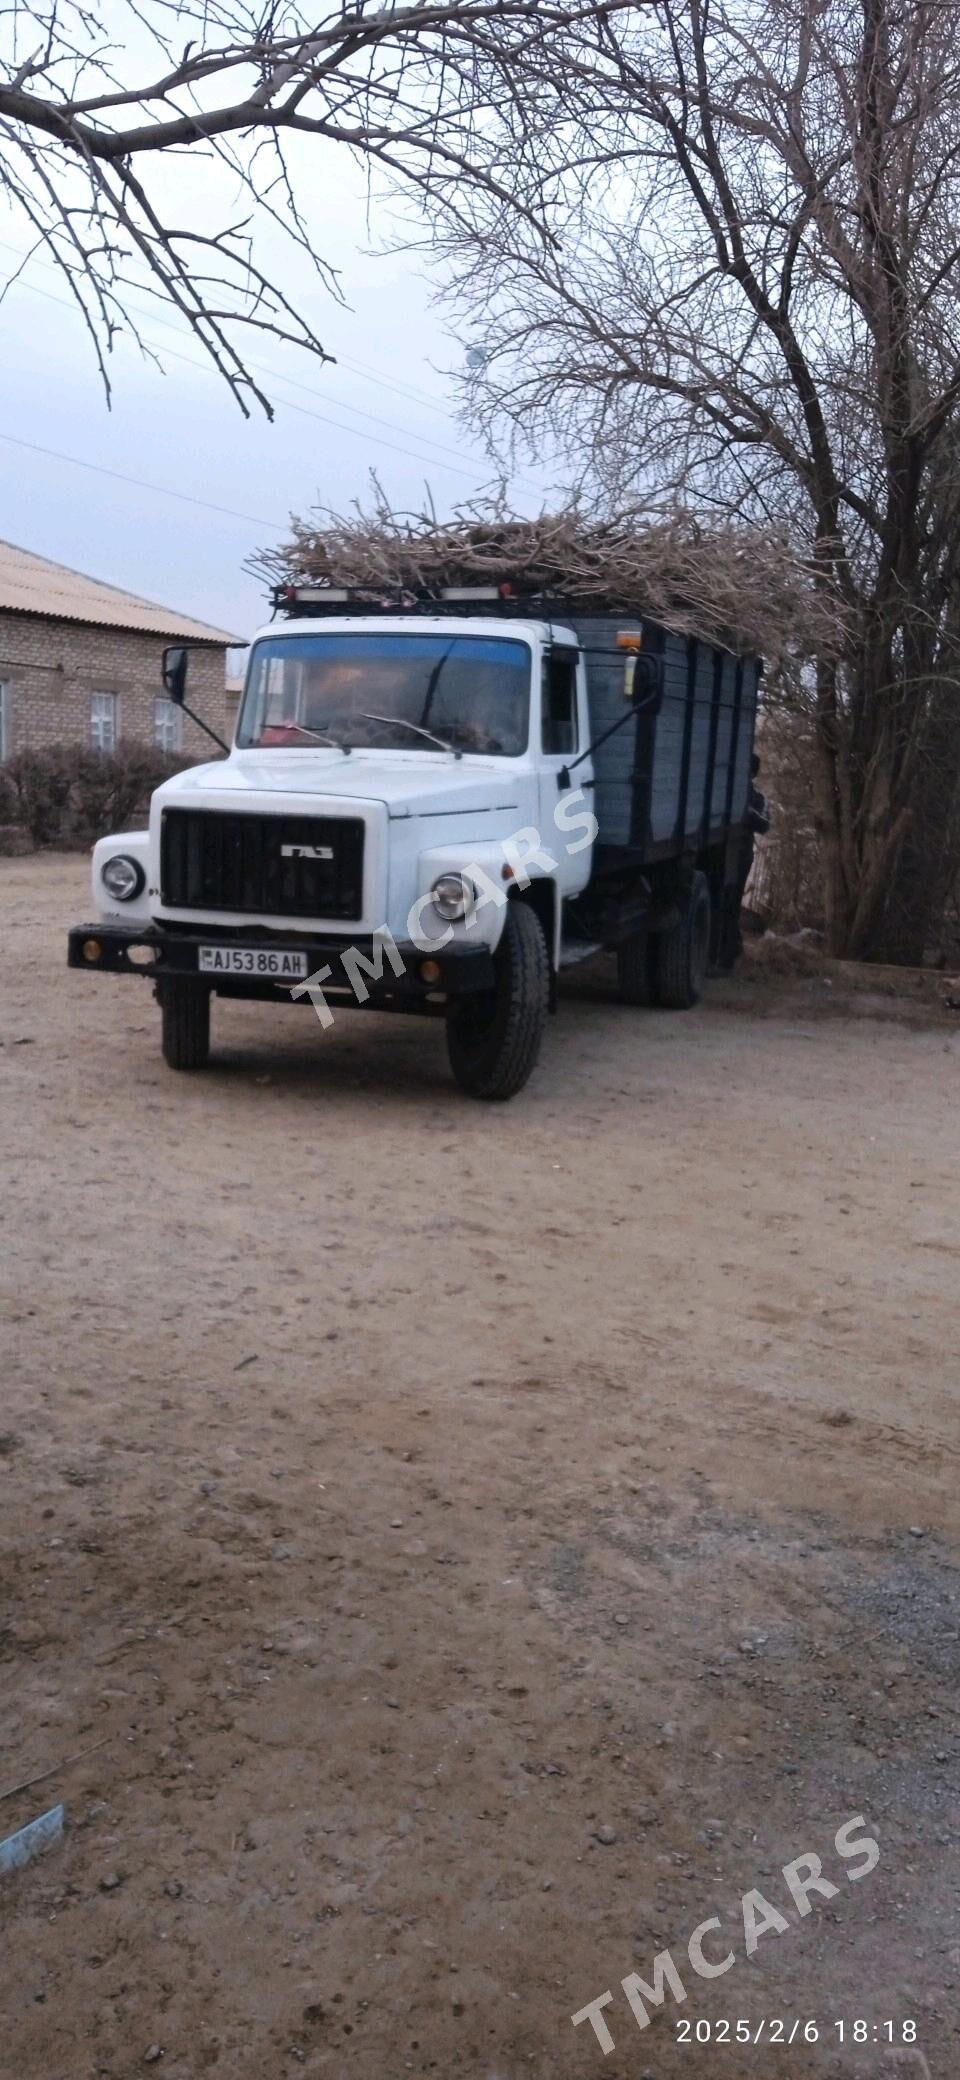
(174, 673)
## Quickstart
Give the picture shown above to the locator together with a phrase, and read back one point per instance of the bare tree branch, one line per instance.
(410, 89)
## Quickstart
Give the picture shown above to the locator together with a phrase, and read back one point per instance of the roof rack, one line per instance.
(500, 600)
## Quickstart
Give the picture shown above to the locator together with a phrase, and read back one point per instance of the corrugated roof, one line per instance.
(31, 584)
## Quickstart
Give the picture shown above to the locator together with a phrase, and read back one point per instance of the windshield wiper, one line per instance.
(417, 728)
(320, 736)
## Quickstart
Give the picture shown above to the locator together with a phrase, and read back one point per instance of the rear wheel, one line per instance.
(493, 1039)
(637, 970)
(684, 951)
(185, 1014)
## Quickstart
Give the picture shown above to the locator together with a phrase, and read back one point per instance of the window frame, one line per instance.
(174, 716)
(104, 693)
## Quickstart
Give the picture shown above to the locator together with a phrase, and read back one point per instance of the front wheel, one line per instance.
(493, 1039)
(185, 1015)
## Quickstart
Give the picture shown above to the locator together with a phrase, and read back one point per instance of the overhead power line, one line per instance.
(478, 474)
(142, 483)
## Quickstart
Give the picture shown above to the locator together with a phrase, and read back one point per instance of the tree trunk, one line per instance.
(862, 819)
(830, 817)
(930, 856)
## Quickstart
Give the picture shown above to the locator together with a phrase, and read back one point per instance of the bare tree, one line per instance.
(751, 299)
(94, 102)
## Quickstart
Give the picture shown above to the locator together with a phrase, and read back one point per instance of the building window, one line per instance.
(103, 721)
(4, 723)
(166, 725)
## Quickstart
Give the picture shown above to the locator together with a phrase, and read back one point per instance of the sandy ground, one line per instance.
(448, 1553)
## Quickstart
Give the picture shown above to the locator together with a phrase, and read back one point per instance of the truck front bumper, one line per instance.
(119, 949)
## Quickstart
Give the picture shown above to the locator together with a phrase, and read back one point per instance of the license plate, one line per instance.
(274, 963)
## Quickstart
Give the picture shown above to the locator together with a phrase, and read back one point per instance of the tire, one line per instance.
(493, 1040)
(683, 952)
(185, 1015)
(637, 970)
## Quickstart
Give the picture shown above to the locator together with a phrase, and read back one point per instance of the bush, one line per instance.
(109, 790)
(41, 781)
(68, 794)
(8, 798)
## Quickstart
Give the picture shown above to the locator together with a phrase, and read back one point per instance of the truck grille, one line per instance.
(215, 861)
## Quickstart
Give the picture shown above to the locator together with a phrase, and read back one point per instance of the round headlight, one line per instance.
(453, 895)
(122, 877)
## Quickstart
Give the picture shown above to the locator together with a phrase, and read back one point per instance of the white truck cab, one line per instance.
(406, 821)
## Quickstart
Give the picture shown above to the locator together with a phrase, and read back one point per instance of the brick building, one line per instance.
(80, 663)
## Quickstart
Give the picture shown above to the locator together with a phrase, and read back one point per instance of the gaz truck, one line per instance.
(435, 806)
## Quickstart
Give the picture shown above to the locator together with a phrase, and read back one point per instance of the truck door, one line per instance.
(565, 808)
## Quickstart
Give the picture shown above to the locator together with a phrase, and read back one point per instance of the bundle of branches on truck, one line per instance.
(466, 756)
(738, 586)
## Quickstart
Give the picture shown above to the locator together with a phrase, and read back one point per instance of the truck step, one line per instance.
(574, 950)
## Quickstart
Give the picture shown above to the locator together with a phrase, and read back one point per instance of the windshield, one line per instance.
(422, 692)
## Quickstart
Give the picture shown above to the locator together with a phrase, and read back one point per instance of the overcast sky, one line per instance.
(386, 405)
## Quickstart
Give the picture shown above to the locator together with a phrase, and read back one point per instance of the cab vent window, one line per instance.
(559, 705)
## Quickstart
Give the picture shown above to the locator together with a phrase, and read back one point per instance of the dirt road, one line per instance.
(469, 1548)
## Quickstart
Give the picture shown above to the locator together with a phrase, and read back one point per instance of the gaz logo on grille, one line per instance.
(306, 851)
